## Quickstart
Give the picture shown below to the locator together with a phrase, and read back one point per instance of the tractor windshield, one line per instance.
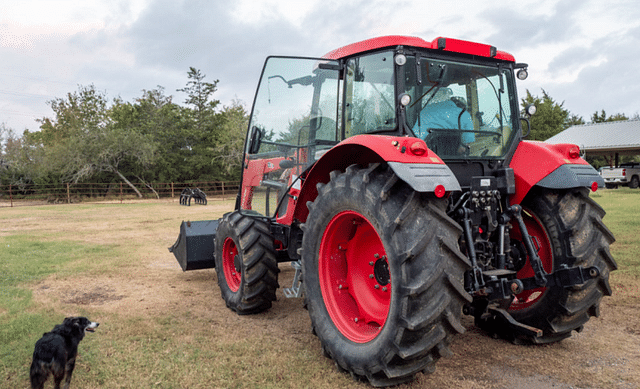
(461, 110)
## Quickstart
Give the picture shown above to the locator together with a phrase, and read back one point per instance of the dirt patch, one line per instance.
(97, 296)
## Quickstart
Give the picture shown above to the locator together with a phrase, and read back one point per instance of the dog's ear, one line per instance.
(72, 321)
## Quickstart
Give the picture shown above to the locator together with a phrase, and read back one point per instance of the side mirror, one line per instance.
(529, 110)
(255, 140)
(528, 127)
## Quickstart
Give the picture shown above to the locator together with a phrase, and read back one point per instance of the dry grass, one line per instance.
(161, 327)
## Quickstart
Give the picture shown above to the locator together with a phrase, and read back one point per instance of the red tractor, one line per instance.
(392, 173)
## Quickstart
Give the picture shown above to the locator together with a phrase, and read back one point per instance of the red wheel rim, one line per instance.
(354, 277)
(232, 273)
(542, 243)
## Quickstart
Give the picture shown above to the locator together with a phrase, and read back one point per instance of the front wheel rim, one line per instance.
(354, 276)
(230, 261)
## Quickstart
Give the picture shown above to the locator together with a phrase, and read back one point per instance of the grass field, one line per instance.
(164, 328)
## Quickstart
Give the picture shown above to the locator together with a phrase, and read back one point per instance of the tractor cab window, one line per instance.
(293, 122)
(369, 94)
(460, 110)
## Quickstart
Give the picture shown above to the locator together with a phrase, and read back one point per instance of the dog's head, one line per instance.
(80, 324)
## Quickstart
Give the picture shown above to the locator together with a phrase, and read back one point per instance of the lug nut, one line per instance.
(376, 286)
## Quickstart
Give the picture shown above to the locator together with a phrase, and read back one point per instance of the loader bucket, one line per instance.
(194, 247)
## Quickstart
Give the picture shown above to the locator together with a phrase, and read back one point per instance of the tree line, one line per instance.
(154, 139)
(150, 139)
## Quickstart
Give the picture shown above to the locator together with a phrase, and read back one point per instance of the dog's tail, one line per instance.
(38, 374)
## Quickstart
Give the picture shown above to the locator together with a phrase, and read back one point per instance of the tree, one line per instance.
(550, 119)
(602, 117)
(87, 137)
(6, 134)
(155, 115)
(575, 120)
(231, 139)
(199, 94)
(7, 143)
(203, 127)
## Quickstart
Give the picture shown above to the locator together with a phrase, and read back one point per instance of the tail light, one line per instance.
(624, 172)
(574, 152)
(418, 148)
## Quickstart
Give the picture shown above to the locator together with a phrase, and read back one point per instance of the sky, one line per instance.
(583, 53)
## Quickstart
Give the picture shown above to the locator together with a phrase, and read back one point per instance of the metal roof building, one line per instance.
(609, 139)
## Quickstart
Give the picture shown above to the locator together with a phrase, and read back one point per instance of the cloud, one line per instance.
(517, 28)
(580, 52)
(609, 84)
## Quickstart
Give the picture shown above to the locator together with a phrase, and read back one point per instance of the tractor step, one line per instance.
(295, 291)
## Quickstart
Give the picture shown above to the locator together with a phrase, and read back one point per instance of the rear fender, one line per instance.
(422, 172)
(550, 166)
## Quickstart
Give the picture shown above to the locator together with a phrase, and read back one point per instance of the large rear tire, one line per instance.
(567, 228)
(246, 263)
(383, 275)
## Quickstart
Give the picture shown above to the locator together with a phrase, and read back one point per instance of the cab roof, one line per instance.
(440, 43)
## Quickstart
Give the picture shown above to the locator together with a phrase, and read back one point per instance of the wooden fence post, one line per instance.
(68, 197)
(10, 195)
(172, 190)
(121, 193)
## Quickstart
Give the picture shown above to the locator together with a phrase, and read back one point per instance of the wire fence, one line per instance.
(32, 194)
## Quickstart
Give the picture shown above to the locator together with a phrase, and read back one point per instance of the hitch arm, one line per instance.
(534, 259)
(565, 277)
(468, 236)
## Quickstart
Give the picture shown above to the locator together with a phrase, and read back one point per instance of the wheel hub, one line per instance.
(381, 271)
(237, 263)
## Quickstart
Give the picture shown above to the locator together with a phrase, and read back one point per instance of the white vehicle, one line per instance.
(628, 174)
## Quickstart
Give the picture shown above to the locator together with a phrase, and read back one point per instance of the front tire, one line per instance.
(567, 228)
(246, 263)
(383, 275)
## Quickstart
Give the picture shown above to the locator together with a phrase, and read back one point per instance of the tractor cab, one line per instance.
(464, 107)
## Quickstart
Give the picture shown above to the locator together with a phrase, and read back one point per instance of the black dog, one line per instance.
(55, 353)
